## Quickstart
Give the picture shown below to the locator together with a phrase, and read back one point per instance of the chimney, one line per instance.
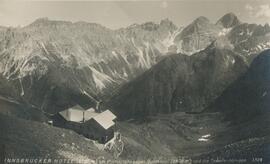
(97, 106)
(83, 117)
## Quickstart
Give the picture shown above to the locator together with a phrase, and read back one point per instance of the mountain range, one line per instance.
(200, 91)
(59, 60)
(190, 83)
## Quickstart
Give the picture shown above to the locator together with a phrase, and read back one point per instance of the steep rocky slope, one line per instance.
(197, 35)
(234, 127)
(191, 83)
(250, 39)
(57, 59)
(245, 104)
(179, 83)
(248, 96)
(228, 21)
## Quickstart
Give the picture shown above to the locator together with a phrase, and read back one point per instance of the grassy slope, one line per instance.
(163, 136)
(177, 135)
(13, 108)
(170, 135)
(33, 139)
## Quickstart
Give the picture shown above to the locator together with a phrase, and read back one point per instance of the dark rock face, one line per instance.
(248, 96)
(194, 83)
(179, 83)
(227, 21)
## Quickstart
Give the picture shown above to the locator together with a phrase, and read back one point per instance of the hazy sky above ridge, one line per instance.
(116, 14)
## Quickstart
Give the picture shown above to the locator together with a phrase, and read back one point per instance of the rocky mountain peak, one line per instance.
(166, 22)
(228, 20)
(42, 19)
(201, 20)
(197, 35)
(150, 26)
(45, 21)
(266, 26)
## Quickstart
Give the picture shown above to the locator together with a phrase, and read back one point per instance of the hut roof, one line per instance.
(105, 119)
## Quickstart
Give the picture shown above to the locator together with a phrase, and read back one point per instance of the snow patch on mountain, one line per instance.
(100, 79)
(264, 93)
(143, 58)
(169, 40)
(229, 60)
(44, 48)
(259, 48)
(233, 61)
(22, 90)
(191, 52)
(204, 138)
(224, 31)
(115, 54)
(147, 55)
(125, 73)
(143, 63)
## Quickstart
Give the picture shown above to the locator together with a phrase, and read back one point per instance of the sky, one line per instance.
(116, 14)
